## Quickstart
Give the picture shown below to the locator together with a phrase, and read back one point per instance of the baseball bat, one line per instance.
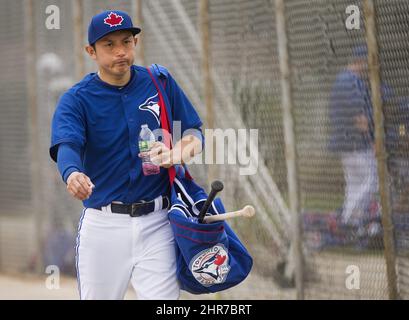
(247, 211)
(216, 186)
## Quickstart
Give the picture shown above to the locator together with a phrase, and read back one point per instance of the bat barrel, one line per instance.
(246, 212)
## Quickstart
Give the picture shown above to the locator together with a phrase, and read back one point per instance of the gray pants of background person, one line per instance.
(360, 172)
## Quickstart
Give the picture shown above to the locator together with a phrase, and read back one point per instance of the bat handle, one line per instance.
(217, 186)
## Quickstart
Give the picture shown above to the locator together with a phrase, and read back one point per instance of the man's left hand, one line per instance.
(182, 152)
(161, 155)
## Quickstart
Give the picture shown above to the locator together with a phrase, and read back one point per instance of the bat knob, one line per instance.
(217, 185)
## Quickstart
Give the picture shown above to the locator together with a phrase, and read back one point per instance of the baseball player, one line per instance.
(124, 234)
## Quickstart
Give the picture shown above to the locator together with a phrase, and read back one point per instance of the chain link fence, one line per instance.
(341, 258)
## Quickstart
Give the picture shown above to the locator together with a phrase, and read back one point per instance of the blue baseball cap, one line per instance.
(107, 22)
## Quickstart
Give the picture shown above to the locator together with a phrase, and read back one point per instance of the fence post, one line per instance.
(138, 21)
(78, 9)
(376, 96)
(204, 27)
(290, 148)
(34, 146)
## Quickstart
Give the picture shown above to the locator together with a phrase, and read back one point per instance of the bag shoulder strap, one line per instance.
(161, 72)
(165, 124)
(158, 73)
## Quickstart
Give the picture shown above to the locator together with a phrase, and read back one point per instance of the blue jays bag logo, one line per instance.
(152, 105)
(211, 266)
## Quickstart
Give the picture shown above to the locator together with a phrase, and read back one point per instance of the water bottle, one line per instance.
(146, 140)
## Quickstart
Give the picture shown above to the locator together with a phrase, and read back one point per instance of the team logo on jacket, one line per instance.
(152, 105)
(113, 20)
(211, 266)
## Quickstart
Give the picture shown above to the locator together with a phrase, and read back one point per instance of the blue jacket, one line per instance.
(350, 97)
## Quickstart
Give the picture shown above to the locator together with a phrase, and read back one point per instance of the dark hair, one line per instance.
(93, 46)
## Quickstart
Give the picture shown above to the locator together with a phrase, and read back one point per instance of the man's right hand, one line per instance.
(79, 185)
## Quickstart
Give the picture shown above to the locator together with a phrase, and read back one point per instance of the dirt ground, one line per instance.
(32, 287)
(326, 278)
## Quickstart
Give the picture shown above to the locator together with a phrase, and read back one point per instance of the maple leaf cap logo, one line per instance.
(113, 20)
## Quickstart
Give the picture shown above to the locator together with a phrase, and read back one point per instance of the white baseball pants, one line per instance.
(113, 249)
(361, 182)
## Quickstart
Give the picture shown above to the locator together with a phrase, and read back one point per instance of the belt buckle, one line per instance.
(134, 207)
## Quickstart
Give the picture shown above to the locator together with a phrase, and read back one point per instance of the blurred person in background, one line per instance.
(352, 137)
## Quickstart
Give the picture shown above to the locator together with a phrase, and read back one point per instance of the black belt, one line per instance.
(139, 208)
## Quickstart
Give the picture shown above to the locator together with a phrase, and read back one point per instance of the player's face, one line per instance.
(115, 52)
